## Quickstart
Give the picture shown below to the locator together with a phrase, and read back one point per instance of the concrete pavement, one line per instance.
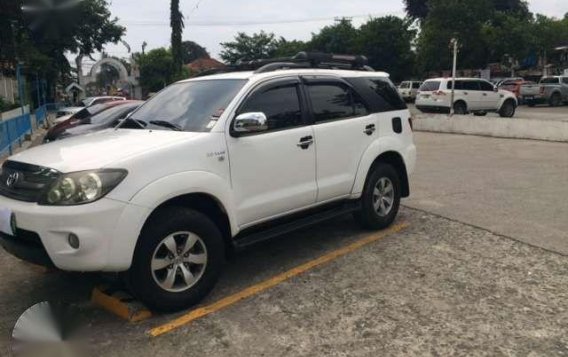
(517, 188)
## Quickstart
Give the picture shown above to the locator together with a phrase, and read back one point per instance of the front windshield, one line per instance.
(190, 106)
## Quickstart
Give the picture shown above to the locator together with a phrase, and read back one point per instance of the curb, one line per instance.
(120, 304)
(545, 130)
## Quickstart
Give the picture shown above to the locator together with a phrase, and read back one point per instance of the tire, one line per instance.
(508, 109)
(480, 114)
(369, 216)
(555, 100)
(148, 284)
(460, 108)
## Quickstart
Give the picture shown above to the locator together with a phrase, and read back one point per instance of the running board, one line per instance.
(282, 226)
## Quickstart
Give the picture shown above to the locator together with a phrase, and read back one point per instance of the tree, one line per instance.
(462, 19)
(420, 9)
(191, 51)
(157, 70)
(285, 48)
(339, 38)
(386, 41)
(177, 25)
(247, 48)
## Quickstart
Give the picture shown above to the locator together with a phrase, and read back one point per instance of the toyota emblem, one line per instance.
(12, 179)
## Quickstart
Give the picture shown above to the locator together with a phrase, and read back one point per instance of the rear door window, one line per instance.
(333, 101)
(430, 86)
(471, 85)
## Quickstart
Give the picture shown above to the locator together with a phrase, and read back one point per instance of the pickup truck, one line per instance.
(551, 90)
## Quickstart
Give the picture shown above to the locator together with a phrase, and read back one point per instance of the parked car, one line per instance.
(108, 117)
(87, 102)
(500, 82)
(471, 95)
(514, 86)
(409, 89)
(76, 119)
(65, 113)
(217, 163)
(551, 90)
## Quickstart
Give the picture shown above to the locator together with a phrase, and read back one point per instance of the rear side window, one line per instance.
(335, 101)
(431, 86)
(281, 105)
(471, 85)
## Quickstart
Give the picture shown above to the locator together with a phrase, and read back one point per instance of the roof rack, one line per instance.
(301, 60)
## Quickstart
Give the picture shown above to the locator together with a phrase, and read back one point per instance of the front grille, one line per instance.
(25, 182)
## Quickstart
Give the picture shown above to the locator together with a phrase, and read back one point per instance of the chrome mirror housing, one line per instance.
(250, 123)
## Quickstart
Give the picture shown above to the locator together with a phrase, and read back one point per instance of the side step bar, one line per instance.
(245, 239)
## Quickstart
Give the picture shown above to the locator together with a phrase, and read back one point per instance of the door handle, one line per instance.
(465, 93)
(369, 129)
(305, 142)
(485, 94)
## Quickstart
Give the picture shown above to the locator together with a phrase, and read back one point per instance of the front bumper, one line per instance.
(107, 231)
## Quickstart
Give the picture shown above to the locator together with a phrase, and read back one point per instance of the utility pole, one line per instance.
(454, 44)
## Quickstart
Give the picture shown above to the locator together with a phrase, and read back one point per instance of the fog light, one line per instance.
(73, 241)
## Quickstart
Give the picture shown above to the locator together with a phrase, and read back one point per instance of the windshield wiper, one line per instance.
(141, 123)
(166, 124)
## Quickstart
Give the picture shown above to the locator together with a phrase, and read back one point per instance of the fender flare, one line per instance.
(379, 147)
(191, 182)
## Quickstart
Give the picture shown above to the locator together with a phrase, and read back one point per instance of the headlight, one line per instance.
(82, 187)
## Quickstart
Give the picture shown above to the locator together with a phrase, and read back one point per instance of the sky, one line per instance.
(210, 22)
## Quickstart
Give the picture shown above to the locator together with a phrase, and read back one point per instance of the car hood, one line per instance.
(99, 149)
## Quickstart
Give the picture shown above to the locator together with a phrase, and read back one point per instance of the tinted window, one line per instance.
(404, 85)
(486, 86)
(335, 101)
(471, 85)
(387, 98)
(459, 85)
(192, 106)
(430, 86)
(416, 85)
(550, 80)
(281, 105)
(565, 80)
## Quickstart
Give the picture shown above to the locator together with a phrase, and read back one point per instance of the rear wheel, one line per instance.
(555, 100)
(460, 108)
(178, 259)
(508, 109)
(380, 200)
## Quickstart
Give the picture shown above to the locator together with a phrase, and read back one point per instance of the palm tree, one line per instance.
(177, 25)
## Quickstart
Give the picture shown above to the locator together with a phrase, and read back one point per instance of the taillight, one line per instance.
(410, 122)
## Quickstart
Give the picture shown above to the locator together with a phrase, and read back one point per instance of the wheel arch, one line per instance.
(390, 155)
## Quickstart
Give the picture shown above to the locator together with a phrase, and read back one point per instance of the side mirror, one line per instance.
(496, 89)
(250, 123)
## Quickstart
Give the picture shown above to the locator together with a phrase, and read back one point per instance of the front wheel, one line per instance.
(380, 200)
(177, 261)
(508, 109)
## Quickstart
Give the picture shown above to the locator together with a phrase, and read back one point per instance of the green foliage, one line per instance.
(339, 38)
(285, 48)
(246, 48)
(192, 51)
(462, 19)
(177, 25)
(157, 70)
(386, 41)
(6, 105)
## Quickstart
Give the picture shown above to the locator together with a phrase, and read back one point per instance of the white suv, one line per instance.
(409, 89)
(207, 166)
(471, 95)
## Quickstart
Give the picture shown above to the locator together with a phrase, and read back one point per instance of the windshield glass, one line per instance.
(190, 106)
(430, 86)
(112, 114)
(550, 80)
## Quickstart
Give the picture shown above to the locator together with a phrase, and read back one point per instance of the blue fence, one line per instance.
(13, 131)
(41, 115)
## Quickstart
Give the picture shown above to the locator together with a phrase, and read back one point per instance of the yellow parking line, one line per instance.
(267, 284)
